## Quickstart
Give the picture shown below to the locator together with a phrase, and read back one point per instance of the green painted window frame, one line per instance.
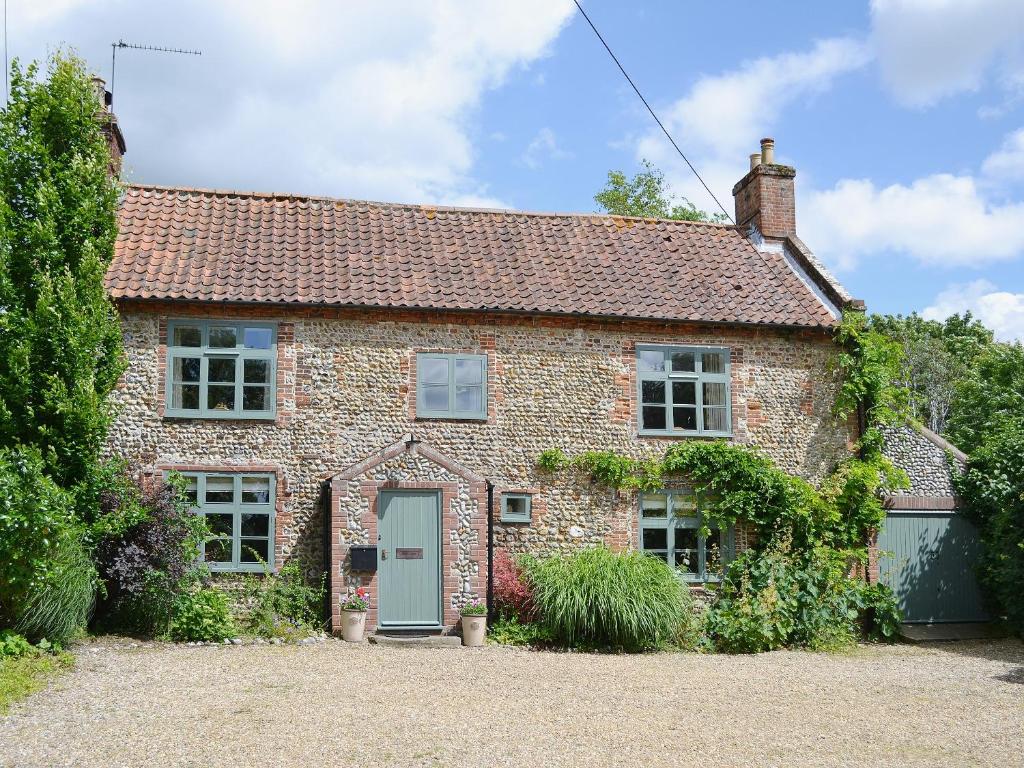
(237, 509)
(669, 377)
(516, 517)
(684, 509)
(206, 353)
(451, 412)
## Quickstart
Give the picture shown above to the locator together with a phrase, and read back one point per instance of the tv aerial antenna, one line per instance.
(155, 48)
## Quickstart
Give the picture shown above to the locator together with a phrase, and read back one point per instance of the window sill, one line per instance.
(680, 435)
(247, 569)
(261, 418)
(520, 521)
(457, 419)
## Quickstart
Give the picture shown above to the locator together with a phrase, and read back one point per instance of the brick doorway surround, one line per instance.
(352, 511)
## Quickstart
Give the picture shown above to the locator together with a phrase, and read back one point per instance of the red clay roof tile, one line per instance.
(202, 245)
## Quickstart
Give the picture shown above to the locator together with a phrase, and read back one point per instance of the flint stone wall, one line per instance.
(346, 388)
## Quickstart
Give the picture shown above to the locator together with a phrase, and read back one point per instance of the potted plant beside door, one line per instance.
(474, 622)
(353, 615)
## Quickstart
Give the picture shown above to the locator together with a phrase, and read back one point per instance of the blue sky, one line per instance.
(904, 118)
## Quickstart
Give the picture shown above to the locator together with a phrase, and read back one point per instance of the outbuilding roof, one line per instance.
(222, 246)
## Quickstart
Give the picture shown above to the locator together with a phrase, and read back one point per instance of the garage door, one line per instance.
(929, 560)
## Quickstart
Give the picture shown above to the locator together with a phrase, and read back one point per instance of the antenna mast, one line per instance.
(123, 44)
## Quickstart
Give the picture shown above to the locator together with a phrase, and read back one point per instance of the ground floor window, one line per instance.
(239, 510)
(670, 523)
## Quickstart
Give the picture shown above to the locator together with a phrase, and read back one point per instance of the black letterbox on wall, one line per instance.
(363, 558)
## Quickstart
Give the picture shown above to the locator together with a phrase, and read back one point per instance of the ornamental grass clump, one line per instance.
(601, 599)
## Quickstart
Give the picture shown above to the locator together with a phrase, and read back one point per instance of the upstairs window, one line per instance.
(684, 390)
(218, 369)
(239, 511)
(670, 524)
(451, 386)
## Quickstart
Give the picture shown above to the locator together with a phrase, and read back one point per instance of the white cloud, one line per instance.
(1008, 162)
(722, 118)
(543, 146)
(929, 49)
(940, 219)
(357, 99)
(1001, 311)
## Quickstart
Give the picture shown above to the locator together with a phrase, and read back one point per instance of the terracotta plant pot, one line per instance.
(474, 630)
(353, 625)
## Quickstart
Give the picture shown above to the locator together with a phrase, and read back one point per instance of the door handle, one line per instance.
(383, 554)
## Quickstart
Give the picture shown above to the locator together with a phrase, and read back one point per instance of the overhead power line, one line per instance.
(649, 109)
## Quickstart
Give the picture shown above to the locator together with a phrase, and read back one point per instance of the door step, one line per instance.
(415, 639)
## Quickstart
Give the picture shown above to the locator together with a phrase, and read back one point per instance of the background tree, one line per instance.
(60, 340)
(60, 345)
(648, 195)
(936, 357)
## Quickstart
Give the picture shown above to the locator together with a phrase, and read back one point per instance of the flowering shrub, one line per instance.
(357, 601)
(475, 607)
(148, 565)
(513, 595)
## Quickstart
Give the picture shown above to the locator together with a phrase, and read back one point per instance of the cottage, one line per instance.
(366, 387)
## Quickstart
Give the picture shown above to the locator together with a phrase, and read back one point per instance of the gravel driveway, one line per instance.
(337, 704)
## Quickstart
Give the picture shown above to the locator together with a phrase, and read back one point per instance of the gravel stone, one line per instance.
(365, 705)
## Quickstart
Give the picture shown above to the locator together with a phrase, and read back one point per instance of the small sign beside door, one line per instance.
(409, 553)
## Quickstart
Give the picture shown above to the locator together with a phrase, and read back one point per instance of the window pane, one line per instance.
(187, 336)
(653, 417)
(186, 369)
(221, 524)
(651, 360)
(220, 398)
(186, 397)
(469, 372)
(713, 362)
(714, 393)
(686, 543)
(654, 505)
(655, 538)
(257, 338)
(221, 369)
(715, 420)
(192, 489)
(517, 506)
(652, 391)
(220, 490)
(683, 361)
(255, 490)
(684, 418)
(223, 337)
(435, 398)
(684, 392)
(433, 370)
(255, 524)
(684, 505)
(469, 399)
(255, 398)
(218, 551)
(255, 551)
(256, 371)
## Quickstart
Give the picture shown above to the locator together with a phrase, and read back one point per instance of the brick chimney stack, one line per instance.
(108, 121)
(765, 196)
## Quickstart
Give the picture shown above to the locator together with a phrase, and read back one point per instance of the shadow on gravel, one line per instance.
(1007, 650)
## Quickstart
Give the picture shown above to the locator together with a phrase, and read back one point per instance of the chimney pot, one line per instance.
(755, 160)
(768, 151)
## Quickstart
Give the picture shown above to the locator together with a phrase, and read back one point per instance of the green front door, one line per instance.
(409, 563)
